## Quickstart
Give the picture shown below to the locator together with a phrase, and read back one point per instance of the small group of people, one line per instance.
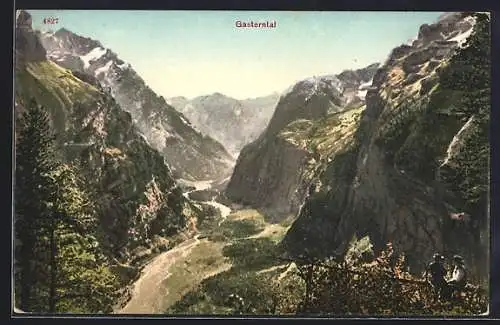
(436, 274)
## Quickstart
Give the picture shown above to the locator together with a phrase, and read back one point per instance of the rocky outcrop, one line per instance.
(386, 185)
(190, 154)
(27, 44)
(274, 184)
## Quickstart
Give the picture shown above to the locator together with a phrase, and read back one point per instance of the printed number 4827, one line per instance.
(50, 20)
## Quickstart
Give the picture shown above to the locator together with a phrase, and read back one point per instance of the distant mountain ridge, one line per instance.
(232, 122)
(190, 154)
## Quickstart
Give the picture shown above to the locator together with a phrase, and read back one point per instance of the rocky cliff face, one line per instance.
(137, 196)
(232, 122)
(370, 152)
(28, 45)
(271, 172)
(190, 154)
(389, 182)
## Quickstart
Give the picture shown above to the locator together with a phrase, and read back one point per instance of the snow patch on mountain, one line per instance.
(312, 85)
(363, 89)
(57, 55)
(185, 121)
(94, 54)
(462, 38)
(143, 136)
(124, 66)
(366, 84)
(362, 94)
(456, 141)
(411, 40)
(104, 69)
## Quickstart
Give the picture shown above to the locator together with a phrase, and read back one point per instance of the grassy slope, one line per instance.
(53, 87)
(327, 136)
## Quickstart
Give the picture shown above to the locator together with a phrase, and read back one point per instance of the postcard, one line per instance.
(249, 163)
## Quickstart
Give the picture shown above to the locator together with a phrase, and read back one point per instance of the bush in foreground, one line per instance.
(381, 286)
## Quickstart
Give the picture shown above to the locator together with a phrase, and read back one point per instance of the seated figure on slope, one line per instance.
(437, 273)
(458, 280)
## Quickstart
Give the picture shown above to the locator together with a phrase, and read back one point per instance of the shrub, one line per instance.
(382, 286)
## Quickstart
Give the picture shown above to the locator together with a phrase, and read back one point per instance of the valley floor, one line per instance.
(166, 278)
(171, 275)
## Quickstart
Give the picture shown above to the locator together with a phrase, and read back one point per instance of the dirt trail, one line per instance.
(147, 289)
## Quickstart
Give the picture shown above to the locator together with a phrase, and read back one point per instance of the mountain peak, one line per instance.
(373, 65)
(23, 19)
(311, 85)
(28, 45)
(451, 16)
(178, 98)
(63, 32)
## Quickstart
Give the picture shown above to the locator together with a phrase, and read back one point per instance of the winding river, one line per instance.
(205, 185)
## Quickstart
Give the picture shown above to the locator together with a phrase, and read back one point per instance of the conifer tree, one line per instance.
(80, 280)
(35, 158)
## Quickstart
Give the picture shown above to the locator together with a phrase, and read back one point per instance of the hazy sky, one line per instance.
(192, 53)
